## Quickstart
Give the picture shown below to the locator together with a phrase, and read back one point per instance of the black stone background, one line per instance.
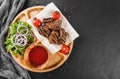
(96, 53)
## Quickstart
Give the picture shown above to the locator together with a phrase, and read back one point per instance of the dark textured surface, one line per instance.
(96, 53)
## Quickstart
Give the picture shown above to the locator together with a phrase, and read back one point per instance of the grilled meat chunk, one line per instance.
(63, 36)
(55, 25)
(54, 37)
(43, 30)
(47, 20)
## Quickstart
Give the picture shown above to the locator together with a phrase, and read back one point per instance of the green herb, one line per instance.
(13, 31)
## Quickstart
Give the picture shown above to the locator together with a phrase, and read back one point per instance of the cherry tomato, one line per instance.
(37, 22)
(65, 49)
(56, 15)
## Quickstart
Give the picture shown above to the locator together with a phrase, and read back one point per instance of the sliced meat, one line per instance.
(55, 25)
(46, 20)
(63, 36)
(54, 37)
(61, 41)
(43, 30)
(46, 31)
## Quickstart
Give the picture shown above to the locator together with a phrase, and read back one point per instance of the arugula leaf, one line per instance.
(30, 38)
(12, 31)
(8, 41)
(16, 51)
(22, 51)
(9, 47)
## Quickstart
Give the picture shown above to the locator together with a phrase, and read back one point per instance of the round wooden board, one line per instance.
(54, 60)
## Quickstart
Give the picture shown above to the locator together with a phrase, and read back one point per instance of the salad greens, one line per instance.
(13, 30)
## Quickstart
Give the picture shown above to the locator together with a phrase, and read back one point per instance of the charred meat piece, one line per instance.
(61, 41)
(54, 37)
(46, 30)
(55, 25)
(43, 30)
(63, 36)
(46, 20)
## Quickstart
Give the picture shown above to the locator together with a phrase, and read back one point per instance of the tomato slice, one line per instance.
(56, 15)
(65, 49)
(37, 22)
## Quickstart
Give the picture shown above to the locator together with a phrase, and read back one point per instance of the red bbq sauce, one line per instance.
(38, 56)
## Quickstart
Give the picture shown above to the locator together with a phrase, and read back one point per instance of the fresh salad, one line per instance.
(19, 37)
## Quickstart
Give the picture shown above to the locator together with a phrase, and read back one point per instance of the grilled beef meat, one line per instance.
(63, 36)
(43, 30)
(46, 20)
(55, 25)
(53, 38)
(52, 30)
